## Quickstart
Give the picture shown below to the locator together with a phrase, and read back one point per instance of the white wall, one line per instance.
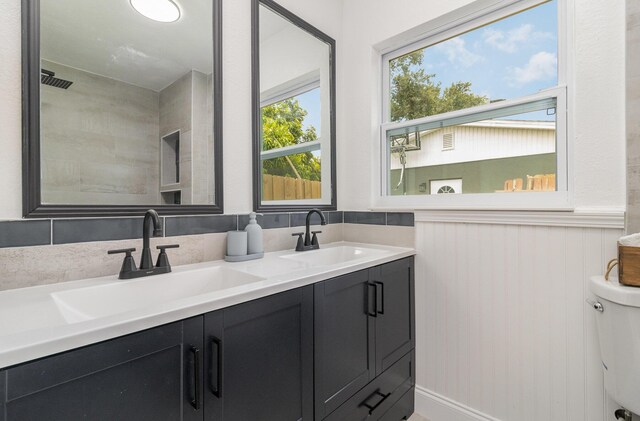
(503, 329)
(10, 115)
(598, 114)
(325, 15)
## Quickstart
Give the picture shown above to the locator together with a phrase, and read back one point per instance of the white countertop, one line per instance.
(36, 322)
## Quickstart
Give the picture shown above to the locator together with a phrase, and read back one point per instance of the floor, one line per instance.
(416, 417)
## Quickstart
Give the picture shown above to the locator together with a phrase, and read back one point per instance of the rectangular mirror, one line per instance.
(123, 107)
(294, 112)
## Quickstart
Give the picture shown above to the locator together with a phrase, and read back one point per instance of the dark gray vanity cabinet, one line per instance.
(395, 321)
(364, 341)
(151, 375)
(259, 359)
(341, 349)
(344, 340)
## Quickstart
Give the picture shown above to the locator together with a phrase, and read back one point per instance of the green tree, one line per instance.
(282, 125)
(414, 94)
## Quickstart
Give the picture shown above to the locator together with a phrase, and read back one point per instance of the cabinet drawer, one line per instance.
(377, 397)
(402, 409)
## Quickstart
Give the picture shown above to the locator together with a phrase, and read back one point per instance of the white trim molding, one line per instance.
(611, 219)
(440, 408)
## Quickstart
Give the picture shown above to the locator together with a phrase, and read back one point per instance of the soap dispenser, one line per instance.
(254, 235)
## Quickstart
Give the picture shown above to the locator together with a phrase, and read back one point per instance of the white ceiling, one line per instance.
(109, 38)
(271, 23)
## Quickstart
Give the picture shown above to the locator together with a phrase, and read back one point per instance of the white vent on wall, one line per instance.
(448, 140)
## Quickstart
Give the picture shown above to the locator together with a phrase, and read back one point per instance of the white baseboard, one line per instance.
(436, 407)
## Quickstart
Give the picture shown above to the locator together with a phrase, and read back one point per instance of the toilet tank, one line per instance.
(618, 324)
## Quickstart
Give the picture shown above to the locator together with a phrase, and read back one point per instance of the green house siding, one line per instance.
(478, 176)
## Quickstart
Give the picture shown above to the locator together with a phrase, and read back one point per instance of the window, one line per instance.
(291, 148)
(478, 107)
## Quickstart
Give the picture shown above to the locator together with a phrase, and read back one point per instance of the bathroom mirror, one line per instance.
(294, 112)
(122, 107)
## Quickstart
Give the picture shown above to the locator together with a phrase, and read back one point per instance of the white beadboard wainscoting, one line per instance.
(502, 328)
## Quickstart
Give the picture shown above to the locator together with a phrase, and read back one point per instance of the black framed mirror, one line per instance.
(294, 118)
(122, 107)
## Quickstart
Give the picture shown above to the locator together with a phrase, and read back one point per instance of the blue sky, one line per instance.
(310, 101)
(506, 59)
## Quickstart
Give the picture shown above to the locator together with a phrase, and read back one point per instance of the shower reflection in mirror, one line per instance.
(126, 102)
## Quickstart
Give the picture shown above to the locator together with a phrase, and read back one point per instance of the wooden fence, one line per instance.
(275, 187)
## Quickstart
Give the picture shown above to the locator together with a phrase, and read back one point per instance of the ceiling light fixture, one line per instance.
(158, 10)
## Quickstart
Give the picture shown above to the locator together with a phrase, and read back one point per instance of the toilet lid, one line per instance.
(613, 291)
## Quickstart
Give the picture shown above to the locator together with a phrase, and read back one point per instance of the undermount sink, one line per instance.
(332, 255)
(89, 303)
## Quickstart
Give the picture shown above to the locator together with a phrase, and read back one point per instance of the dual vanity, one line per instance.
(325, 334)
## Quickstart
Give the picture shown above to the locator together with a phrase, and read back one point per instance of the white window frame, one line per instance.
(460, 21)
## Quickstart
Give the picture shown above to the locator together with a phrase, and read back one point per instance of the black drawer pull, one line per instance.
(373, 313)
(195, 402)
(216, 361)
(374, 407)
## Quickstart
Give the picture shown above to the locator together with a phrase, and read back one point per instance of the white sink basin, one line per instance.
(332, 255)
(88, 303)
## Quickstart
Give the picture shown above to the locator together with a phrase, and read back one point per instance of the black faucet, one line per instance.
(309, 243)
(146, 262)
(129, 270)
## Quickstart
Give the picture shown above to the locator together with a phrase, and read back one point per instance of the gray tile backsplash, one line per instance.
(25, 233)
(403, 219)
(336, 217)
(66, 231)
(300, 219)
(99, 229)
(190, 225)
(372, 218)
(266, 221)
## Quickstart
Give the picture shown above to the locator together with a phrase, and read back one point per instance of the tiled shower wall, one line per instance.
(633, 116)
(37, 252)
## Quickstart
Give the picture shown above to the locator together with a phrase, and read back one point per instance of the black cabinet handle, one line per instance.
(374, 407)
(216, 361)
(195, 353)
(379, 301)
(373, 313)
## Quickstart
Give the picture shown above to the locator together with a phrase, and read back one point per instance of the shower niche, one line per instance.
(170, 152)
(171, 186)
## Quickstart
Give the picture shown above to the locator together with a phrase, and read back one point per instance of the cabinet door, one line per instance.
(259, 359)
(344, 340)
(395, 322)
(149, 375)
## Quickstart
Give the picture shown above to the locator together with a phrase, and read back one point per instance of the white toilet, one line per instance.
(618, 320)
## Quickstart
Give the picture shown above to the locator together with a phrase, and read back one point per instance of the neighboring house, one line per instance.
(476, 157)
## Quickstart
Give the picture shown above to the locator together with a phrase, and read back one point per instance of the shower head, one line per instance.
(47, 77)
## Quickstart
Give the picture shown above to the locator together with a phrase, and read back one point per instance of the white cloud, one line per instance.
(457, 52)
(541, 66)
(510, 41)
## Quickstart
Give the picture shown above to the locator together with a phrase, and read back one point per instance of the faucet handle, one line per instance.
(163, 259)
(314, 239)
(300, 244)
(128, 264)
(128, 251)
